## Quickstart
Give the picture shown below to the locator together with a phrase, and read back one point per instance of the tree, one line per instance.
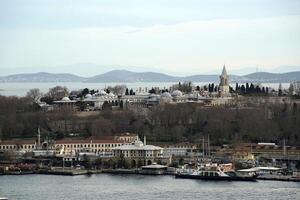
(152, 91)
(258, 90)
(247, 88)
(126, 92)
(118, 89)
(34, 94)
(58, 92)
(252, 88)
(85, 91)
(243, 89)
(131, 92)
(47, 100)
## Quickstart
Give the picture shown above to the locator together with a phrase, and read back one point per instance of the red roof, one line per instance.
(17, 142)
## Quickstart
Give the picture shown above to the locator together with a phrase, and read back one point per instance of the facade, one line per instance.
(224, 84)
(104, 146)
(18, 145)
(139, 152)
(180, 150)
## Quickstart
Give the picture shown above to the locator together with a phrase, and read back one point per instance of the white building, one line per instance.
(140, 152)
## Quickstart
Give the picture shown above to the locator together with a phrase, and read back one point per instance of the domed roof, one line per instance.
(111, 94)
(66, 99)
(102, 92)
(88, 96)
(138, 143)
(166, 95)
(176, 93)
(152, 95)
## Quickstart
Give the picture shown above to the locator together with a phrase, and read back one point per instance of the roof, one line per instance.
(154, 166)
(17, 142)
(224, 72)
(127, 134)
(255, 169)
(135, 147)
(86, 141)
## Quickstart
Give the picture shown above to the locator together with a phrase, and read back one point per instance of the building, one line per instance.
(18, 145)
(65, 104)
(139, 153)
(181, 150)
(224, 90)
(74, 147)
(100, 147)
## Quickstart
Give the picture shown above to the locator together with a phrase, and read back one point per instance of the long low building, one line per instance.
(101, 146)
(18, 145)
(73, 147)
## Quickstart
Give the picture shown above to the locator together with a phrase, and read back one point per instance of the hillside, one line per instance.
(124, 76)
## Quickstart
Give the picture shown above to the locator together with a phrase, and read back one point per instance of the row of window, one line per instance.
(16, 146)
(87, 145)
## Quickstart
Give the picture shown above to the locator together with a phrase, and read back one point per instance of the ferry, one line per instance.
(214, 173)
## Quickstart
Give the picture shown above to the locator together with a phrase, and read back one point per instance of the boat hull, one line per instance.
(216, 178)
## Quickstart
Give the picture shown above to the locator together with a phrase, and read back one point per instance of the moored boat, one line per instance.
(214, 173)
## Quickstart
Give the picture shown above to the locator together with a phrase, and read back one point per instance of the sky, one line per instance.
(178, 37)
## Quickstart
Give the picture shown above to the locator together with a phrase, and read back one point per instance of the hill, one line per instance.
(125, 76)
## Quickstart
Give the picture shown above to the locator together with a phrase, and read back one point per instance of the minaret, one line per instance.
(39, 138)
(224, 83)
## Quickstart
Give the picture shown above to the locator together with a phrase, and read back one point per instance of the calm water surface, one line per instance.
(131, 187)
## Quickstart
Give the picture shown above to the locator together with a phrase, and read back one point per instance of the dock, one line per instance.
(279, 178)
(64, 172)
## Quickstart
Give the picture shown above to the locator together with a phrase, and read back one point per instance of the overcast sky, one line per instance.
(171, 36)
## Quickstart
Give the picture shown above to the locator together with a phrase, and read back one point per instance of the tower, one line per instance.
(224, 83)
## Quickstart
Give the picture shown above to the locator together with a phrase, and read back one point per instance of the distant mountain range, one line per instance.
(125, 76)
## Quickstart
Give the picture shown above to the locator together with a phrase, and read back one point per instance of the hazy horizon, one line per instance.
(174, 37)
(101, 69)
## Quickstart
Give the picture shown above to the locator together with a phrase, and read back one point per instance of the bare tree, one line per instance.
(117, 89)
(58, 92)
(34, 94)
